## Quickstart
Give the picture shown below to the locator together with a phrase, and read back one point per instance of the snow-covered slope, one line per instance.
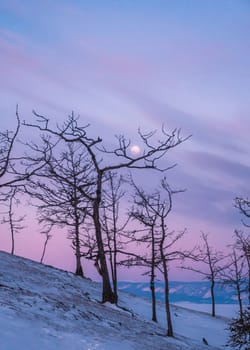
(43, 308)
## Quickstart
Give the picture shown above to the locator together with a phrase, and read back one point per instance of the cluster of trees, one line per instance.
(77, 182)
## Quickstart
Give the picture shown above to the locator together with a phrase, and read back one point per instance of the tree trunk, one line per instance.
(212, 296)
(12, 225)
(238, 283)
(152, 287)
(12, 241)
(114, 272)
(152, 278)
(44, 247)
(79, 269)
(170, 332)
(113, 267)
(247, 253)
(239, 299)
(107, 293)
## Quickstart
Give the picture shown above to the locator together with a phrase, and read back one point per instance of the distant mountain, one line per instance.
(195, 292)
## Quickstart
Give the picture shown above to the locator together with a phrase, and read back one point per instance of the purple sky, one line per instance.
(124, 64)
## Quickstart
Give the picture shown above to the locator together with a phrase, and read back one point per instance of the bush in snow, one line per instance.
(240, 331)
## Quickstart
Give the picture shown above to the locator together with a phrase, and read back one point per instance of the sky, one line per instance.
(121, 65)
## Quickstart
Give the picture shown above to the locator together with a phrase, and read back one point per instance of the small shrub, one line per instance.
(240, 331)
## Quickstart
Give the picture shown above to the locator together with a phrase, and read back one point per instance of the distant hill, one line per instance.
(194, 292)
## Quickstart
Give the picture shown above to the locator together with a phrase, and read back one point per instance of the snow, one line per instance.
(224, 310)
(43, 308)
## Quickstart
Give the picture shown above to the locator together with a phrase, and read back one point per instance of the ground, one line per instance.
(45, 308)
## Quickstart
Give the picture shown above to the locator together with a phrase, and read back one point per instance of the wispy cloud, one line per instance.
(122, 65)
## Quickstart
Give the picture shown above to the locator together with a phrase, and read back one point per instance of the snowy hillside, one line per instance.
(42, 308)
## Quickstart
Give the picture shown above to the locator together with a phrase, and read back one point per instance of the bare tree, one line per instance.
(212, 259)
(234, 275)
(60, 203)
(142, 212)
(11, 201)
(117, 158)
(152, 211)
(112, 225)
(167, 241)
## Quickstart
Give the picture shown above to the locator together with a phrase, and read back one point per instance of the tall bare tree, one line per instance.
(112, 224)
(212, 259)
(152, 211)
(105, 160)
(167, 242)
(234, 274)
(142, 212)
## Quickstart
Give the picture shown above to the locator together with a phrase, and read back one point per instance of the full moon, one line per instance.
(135, 149)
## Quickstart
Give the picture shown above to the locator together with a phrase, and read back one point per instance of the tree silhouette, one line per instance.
(152, 211)
(212, 260)
(112, 225)
(56, 191)
(104, 160)
(234, 275)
